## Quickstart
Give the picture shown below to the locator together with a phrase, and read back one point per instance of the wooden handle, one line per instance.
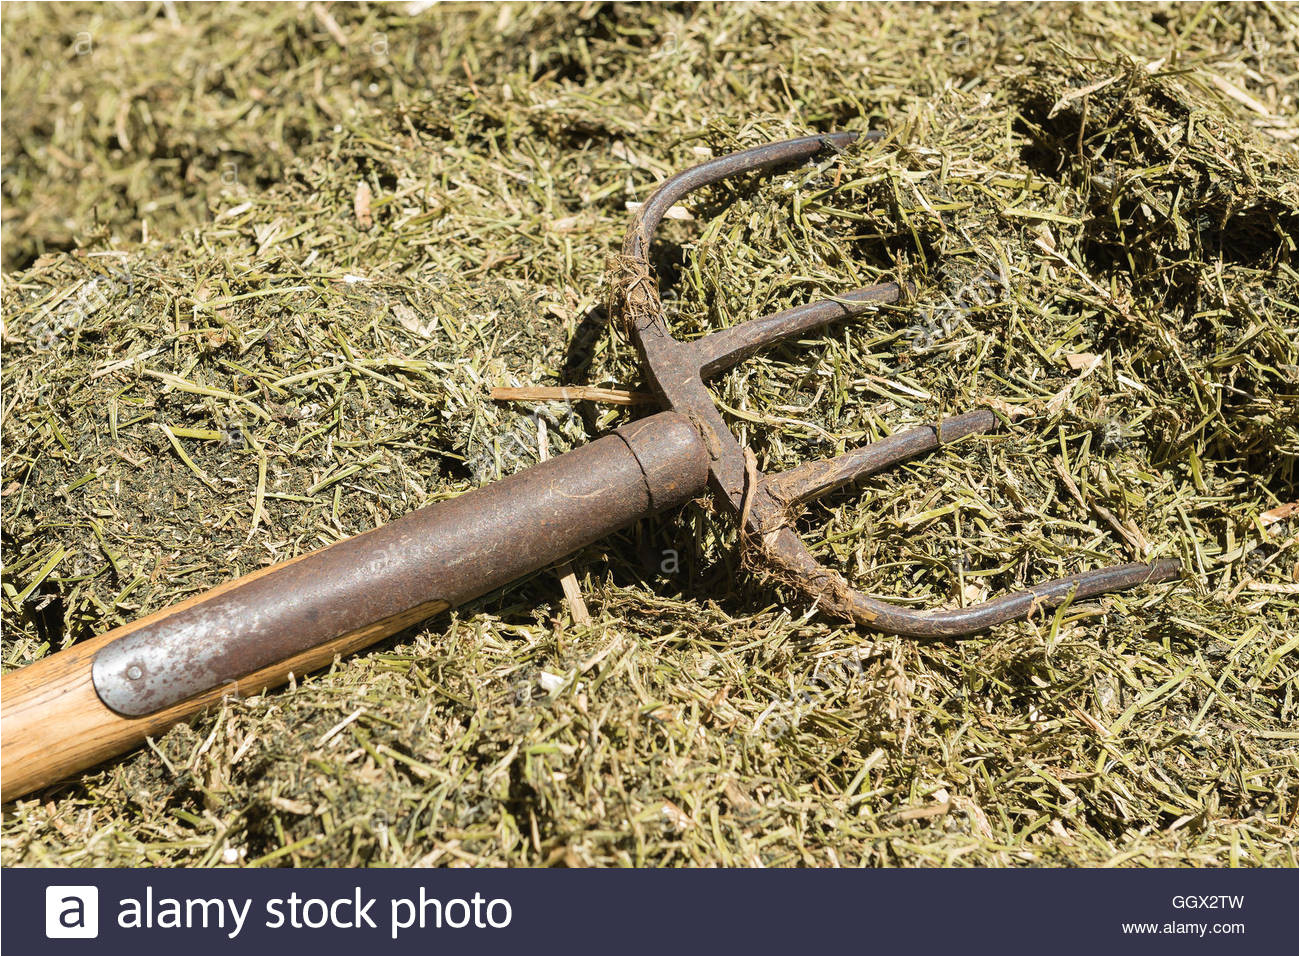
(250, 634)
(52, 722)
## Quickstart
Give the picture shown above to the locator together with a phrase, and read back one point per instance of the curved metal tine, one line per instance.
(816, 478)
(721, 350)
(746, 161)
(793, 557)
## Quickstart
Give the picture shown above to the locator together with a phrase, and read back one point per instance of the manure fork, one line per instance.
(104, 696)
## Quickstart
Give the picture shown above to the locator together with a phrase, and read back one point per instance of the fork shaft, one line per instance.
(103, 696)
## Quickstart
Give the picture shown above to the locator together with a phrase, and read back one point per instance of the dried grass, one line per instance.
(263, 274)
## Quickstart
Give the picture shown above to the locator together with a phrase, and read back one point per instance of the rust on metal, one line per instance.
(445, 554)
(436, 557)
(762, 504)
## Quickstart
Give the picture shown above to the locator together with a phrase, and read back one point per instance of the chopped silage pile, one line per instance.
(264, 265)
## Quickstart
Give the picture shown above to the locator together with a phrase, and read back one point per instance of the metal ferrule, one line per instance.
(394, 576)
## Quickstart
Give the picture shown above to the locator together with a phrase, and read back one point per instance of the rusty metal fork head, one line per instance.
(762, 504)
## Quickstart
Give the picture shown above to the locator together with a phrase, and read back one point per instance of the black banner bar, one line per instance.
(322, 912)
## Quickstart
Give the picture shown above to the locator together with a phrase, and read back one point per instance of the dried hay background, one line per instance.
(264, 264)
